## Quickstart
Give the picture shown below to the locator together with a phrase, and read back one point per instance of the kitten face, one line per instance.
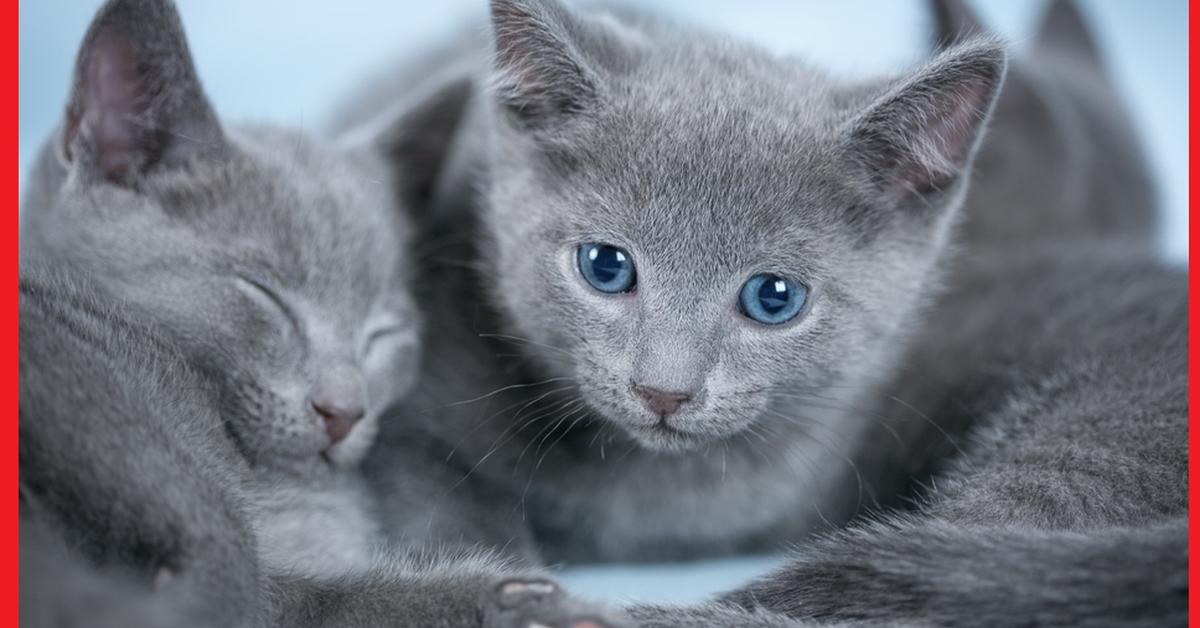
(280, 270)
(277, 264)
(708, 167)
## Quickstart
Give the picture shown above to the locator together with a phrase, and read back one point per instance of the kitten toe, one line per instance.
(540, 603)
(520, 592)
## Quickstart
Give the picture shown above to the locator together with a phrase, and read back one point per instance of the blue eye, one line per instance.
(607, 268)
(772, 300)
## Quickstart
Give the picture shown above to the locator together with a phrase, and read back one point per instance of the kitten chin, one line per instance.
(316, 528)
(665, 439)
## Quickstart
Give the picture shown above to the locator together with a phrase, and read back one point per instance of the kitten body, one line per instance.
(1063, 160)
(705, 161)
(518, 379)
(91, 380)
(1042, 419)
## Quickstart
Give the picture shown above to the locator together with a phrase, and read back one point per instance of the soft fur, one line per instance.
(1063, 160)
(1031, 400)
(110, 493)
(274, 263)
(190, 291)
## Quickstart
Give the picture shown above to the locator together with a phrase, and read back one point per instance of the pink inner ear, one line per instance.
(109, 95)
(944, 138)
(955, 130)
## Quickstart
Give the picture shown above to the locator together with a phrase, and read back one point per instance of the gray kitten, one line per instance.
(133, 511)
(275, 263)
(216, 318)
(668, 321)
(1062, 159)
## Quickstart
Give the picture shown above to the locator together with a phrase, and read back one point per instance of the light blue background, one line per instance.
(288, 61)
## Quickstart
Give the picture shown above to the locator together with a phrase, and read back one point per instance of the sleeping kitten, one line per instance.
(276, 264)
(1062, 159)
(216, 317)
(667, 321)
(133, 512)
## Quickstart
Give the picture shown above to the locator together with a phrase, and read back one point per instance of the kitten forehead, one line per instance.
(308, 219)
(706, 145)
(738, 187)
(731, 158)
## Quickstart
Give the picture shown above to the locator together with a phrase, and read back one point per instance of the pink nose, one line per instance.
(661, 402)
(339, 419)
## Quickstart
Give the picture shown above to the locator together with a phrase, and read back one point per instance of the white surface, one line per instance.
(680, 582)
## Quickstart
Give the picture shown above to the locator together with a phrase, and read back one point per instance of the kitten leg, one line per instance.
(951, 574)
(60, 589)
(435, 591)
(540, 603)
(718, 615)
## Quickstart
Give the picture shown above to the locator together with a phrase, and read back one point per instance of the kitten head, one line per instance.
(277, 264)
(695, 228)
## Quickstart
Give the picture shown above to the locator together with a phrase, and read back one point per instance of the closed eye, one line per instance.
(384, 332)
(261, 291)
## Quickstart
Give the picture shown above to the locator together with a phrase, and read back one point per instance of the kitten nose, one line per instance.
(339, 396)
(339, 419)
(661, 402)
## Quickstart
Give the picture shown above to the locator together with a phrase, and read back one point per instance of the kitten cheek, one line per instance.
(390, 372)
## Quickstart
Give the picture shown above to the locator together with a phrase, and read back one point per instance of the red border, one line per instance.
(1193, 352)
(11, 165)
(11, 112)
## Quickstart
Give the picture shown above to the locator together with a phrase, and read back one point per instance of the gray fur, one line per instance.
(186, 245)
(877, 185)
(709, 160)
(1063, 160)
(724, 614)
(50, 572)
(193, 289)
(1042, 411)
(167, 510)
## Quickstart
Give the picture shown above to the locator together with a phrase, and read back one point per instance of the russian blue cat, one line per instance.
(679, 288)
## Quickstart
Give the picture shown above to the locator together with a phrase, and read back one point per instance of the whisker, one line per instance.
(500, 441)
(518, 339)
(581, 416)
(484, 422)
(500, 390)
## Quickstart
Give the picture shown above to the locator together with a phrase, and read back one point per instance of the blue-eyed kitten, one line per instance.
(675, 284)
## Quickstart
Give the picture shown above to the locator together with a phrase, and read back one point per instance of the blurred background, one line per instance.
(290, 62)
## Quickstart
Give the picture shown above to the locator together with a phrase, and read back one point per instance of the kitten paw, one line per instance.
(540, 603)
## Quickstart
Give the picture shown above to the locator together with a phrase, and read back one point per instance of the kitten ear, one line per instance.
(136, 103)
(1064, 29)
(918, 139)
(954, 22)
(540, 75)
